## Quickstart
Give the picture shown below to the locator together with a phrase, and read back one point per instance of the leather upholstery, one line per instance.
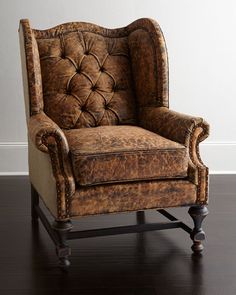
(80, 75)
(48, 137)
(32, 65)
(108, 74)
(132, 196)
(124, 153)
(175, 126)
(44, 183)
(94, 82)
(187, 130)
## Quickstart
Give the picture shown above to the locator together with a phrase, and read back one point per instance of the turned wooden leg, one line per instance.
(34, 203)
(62, 249)
(198, 213)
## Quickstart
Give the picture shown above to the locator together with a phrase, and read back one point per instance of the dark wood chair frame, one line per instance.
(61, 231)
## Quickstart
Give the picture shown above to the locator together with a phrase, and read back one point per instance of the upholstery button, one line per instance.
(86, 52)
(78, 71)
(83, 108)
(102, 69)
(94, 87)
(63, 56)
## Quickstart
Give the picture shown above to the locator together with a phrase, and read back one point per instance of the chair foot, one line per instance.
(64, 263)
(63, 251)
(198, 213)
(34, 203)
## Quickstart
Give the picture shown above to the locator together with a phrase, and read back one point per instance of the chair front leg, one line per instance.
(198, 213)
(62, 249)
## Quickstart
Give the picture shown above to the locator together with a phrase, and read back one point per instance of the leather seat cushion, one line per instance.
(108, 154)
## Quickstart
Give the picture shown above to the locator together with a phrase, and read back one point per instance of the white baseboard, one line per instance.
(220, 157)
(13, 158)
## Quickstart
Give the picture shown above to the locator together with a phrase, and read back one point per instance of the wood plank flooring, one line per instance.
(131, 264)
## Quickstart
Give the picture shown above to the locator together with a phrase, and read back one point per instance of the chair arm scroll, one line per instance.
(42, 130)
(49, 138)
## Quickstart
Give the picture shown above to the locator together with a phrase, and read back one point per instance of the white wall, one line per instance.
(200, 36)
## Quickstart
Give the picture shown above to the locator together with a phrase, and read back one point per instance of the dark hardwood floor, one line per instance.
(131, 264)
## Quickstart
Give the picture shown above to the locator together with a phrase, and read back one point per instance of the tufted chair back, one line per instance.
(90, 76)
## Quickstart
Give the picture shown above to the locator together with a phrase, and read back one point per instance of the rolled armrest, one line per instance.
(172, 125)
(187, 130)
(47, 137)
(41, 131)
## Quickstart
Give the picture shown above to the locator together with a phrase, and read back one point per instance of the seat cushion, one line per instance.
(108, 154)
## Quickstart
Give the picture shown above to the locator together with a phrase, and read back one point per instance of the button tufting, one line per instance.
(91, 83)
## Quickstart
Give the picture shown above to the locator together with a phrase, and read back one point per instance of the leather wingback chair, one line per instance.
(102, 138)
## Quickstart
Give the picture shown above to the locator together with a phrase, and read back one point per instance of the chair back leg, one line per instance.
(34, 203)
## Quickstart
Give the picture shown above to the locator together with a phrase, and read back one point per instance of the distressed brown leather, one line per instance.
(124, 153)
(49, 138)
(81, 75)
(34, 78)
(41, 127)
(149, 63)
(98, 72)
(187, 130)
(94, 82)
(170, 124)
(132, 196)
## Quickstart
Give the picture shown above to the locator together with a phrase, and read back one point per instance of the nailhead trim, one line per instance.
(56, 156)
(199, 169)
